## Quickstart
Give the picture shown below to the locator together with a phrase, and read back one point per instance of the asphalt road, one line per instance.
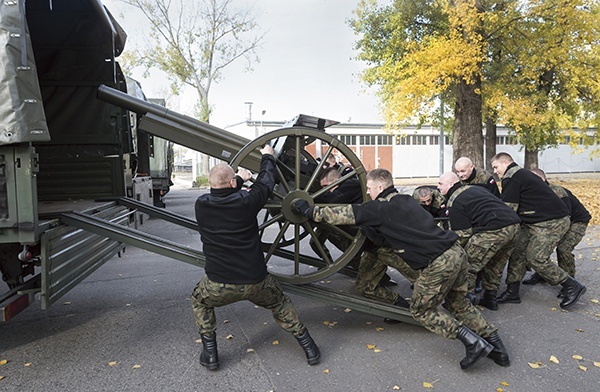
(129, 327)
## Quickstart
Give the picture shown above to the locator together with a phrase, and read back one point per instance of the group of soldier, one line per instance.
(484, 231)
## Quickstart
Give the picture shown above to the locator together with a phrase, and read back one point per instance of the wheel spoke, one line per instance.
(282, 179)
(276, 241)
(319, 168)
(337, 182)
(266, 223)
(296, 249)
(320, 248)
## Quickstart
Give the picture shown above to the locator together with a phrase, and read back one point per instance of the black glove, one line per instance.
(301, 207)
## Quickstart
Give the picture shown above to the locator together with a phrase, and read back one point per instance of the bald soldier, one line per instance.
(545, 221)
(469, 175)
(487, 229)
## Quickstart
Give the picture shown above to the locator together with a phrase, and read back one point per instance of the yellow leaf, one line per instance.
(275, 342)
(396, 388)
(347, 310)
(505, 384)
(112, 363)
(326, 371)
(198, 340)
(427, 384)
(582, 368)
(369, 322)
(229, 337)
(378, 329)
(27, 364)
(225, 321)
(371, 346)
(579, 330)
(577, 357)
(499, 389)
(535, 365)
(597, 364)
(377, 350)
(250, 350)
(326, 322)
(553, 359)
(3, 362)
(595, 301)
(1, 377)
(136, 366)
(553, 309)
(67, 303)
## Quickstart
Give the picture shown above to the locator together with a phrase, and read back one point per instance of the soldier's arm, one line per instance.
(342, 215)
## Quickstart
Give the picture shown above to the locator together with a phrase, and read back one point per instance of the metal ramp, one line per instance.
(192, 256)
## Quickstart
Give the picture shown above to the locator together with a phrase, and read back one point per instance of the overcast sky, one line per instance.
(306, 67)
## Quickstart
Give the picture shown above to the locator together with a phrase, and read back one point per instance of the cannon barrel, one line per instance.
(181, 129)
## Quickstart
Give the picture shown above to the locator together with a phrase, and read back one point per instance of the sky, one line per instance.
(306, 67)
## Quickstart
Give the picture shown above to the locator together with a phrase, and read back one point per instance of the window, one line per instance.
(402, 140)
(349, 140)
(367, 140)
(419, 140)
(384, 140)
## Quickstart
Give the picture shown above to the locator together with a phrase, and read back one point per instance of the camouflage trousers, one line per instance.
(564, 250)
(488, 252)
(268, 294)
(373, 265)
(445, 279)
(535, 244)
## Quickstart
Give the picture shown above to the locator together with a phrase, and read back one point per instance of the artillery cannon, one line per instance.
(284, 234)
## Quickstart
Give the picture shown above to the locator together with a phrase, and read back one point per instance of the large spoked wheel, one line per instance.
(294, 246)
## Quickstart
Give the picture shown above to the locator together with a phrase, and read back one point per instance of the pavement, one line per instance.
(129, 327)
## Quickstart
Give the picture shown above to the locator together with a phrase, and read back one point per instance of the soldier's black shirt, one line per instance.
(477, 208)
(348, 192)
(229, 229)
(406, 226)
(537, 202)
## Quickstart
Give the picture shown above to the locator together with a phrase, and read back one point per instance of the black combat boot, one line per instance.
(535, 278)
(402, 303)
(476, 346)
(473, 298)
(209, 356)
(572, 291)
(498, 354)
(313, 355)
(489, 300)
(511, 295)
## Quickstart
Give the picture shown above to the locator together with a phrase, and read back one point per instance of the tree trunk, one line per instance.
(531, 158)
(490, 142)
(468, 132)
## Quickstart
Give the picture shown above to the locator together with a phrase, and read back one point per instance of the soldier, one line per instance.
(545, 221)
(350, 191)
(580, 217)
(434, 252)
(235, 266)
(487, 229)
(469, 175)
(433, 202)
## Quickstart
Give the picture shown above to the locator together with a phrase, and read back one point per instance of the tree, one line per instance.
(193, 41)
(531, 65)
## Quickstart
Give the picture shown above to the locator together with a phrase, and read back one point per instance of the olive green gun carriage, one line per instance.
(67, 163)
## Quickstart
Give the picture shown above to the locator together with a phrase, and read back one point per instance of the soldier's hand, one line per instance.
(244, 174)
(301, 207)
(267, 149)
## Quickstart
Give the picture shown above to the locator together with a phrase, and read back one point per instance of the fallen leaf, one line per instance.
(198, 340)
(553, 309)
(1, 377)
(579, 330)
(229, 337)
(250, 350)
(67, 303)
(3, 362)
(595, 301)
(597, 364)
(326, 322)
(136, 366)
(377, 350)
(577, 357)
(225, 321)
(505, 384)
(499, 389)
(553, 359)
(396, 388)
(378, 329)
(326, 371)
(581, 367)
(275, 342)
(597, 315)
(535, 365)
(427, 385)
(369, 322)
(28, 364)
(347, 310)
(371, 346)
